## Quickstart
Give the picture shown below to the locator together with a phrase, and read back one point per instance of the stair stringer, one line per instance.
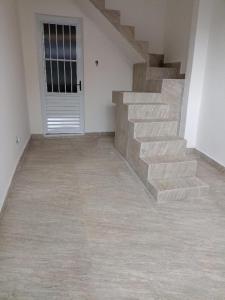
(126, 46)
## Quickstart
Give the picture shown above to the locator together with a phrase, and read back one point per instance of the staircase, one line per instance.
(128, 32)
(148, 122)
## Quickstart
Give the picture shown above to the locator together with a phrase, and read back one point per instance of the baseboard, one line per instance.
(18, 166)
(71, 136)
(99, 134)
(206, 158)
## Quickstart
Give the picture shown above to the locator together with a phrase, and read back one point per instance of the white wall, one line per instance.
(148, 17)
(196, 70)
(165, 24)
(211, 127)
(177, 31)
(114, 71)
(13, 109)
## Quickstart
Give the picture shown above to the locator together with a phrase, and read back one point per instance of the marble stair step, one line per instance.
(153, 128)
(177, 188)
(144, 45)
(164, 167)
(148, 111)
(157, 73)
(148, 86)
(136, 97)
(139, 47)
(100, 4)
(161, 146)
(127, 31)
(112, 15)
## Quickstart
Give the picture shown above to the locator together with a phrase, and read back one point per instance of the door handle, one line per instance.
(80, 85)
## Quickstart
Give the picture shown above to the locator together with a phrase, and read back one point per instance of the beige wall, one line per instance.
(13, 109)
(196, 70)
(114, 71)
(211, 125)
(165, 24)
(205, 90)
(148, 17)
(177, 31)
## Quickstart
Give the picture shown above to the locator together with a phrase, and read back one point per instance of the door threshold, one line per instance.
(74, 135)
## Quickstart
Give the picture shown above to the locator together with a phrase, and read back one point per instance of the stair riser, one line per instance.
(161, 73)
(172, 170)
(133, 157)
(127, 31)
(178, 194)
(148, 112)
(142, 98)
(140, 84)
(152, 149)
(100, 4)
(144, 46)
(112, 15)
(156, 129)
(148, 98)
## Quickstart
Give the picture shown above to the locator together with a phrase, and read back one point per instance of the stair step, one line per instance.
(176, 65)
(143, 45)
(148, 111)
(152, 120)
(156, 60)
(177, 189)
(161, 146)
(141, 82)
(164, 167)
(168, 158)
(100, 4)
(112, 15)
(136, 97)
(148, 86)
(153, 128)
(156, 73)
(127, 31)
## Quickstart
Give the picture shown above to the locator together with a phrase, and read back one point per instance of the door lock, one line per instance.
(80, 85)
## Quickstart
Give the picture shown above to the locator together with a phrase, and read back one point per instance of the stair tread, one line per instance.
(158, 139)
(132, 92)
(99, 4)
(167, 159)
(146, 103)
(127, 29)
(112, 15)
(111, 10)
(142, 41)
(178, 183)
(152, 120)
(163, 68)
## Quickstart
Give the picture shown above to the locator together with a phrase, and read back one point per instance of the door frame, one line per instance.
(42, 18)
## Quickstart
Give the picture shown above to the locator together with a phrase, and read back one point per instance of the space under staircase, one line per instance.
(148, 121)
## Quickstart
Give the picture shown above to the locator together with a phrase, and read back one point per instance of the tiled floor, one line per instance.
(79, 225)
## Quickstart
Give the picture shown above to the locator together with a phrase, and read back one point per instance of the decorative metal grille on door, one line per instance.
(63, 99)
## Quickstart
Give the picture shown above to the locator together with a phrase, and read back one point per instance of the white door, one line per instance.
(62, 76)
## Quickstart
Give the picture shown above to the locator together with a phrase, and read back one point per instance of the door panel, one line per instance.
(63, 69)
